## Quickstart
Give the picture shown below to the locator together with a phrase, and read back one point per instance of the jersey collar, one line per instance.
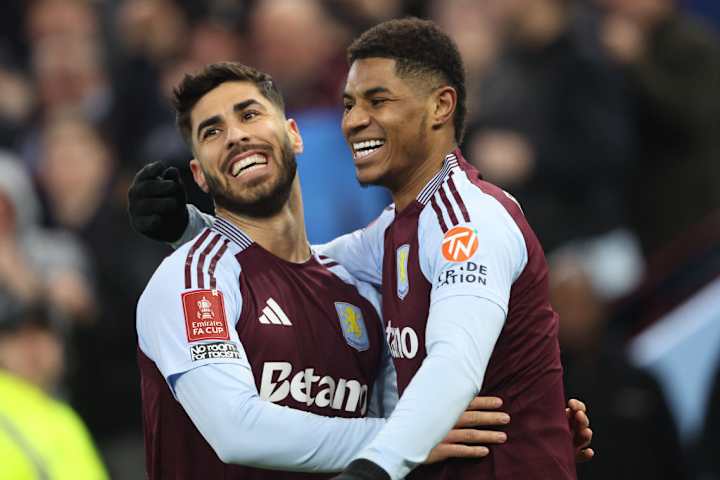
(449, 163)
(232, 232)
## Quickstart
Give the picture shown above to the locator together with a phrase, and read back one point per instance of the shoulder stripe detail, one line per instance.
(433, 185)
(232, 232)
(439, 214)
(326, 261)
(214, 261)
(191, 253)
(449, 208)
(458, 198)
(201, 260)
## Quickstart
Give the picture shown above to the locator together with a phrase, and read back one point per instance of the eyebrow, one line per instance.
(215, 119)
(369, 92)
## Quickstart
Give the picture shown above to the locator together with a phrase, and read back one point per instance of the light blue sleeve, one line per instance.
(243, 429)
(460, 338)
(361, 251)
(197, 221)
(171, 328)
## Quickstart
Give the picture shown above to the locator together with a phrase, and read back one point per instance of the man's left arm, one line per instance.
(460, 337)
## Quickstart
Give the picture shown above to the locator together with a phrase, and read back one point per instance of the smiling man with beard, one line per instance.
(246, 319)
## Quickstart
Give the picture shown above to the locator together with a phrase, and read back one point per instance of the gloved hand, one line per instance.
(362, 469)
(156, 203)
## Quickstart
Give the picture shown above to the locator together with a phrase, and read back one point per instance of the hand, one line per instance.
(465, 440)
(156, 203)
(579, 424)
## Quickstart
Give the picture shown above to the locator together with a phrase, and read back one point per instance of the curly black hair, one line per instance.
(193, 87)
(419, 48)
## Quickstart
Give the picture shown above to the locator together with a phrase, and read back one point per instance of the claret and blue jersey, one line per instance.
(465, 238)
(309, 334)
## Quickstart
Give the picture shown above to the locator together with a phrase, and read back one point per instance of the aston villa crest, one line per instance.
(353, 326)
(401, 267)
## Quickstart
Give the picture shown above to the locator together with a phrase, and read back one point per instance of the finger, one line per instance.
(576, 405)
(154, 188)
(482, 419)
(146, 223)
(156, 206)
(584, 455)
(471, 436)
(582, 419)
(151, 170)
(485, 403)
(173, 174)
(583, 438)
(445, 451)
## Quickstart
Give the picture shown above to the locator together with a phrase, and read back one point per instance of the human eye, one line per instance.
(249, 114)
(377, 101)
(347, 106)
(209, 132)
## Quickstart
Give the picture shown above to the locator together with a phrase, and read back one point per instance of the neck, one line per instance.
(407, 190)
(282, 234)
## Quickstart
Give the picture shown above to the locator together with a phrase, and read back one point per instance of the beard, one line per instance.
(261, 201)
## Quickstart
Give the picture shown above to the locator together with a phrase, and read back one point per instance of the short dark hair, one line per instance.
(418, 47)
(194, 86)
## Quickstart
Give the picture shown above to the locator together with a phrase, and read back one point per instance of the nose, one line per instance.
(236, 135)
(355, 120)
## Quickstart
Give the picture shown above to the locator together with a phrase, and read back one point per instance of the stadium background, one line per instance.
(601, 116)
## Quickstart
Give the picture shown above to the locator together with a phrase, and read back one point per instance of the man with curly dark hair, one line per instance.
(463, 276)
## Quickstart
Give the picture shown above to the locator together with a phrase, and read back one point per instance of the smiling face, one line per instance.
(244, 149)
(385, 122)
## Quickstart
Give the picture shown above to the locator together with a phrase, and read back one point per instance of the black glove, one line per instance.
(362, 469)
(156, 203)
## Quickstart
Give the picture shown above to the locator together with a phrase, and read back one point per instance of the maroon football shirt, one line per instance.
(302, 327)
(524, 369)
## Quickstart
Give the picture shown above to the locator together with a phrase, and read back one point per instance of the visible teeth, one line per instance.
(365, 153)
(246, 162)
(367, 144)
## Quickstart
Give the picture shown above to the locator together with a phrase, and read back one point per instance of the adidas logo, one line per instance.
(273, 314)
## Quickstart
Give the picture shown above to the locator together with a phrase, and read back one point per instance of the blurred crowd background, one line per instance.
(601, 116)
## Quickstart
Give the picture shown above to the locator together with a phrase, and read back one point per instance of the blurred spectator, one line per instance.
(634, 433)
(16, 104)
(76, 175)
(36, 263)
(673, 65)
(551, 125)
(40, 437)
(309, 72)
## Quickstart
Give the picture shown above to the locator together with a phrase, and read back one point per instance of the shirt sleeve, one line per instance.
(482, 257)
(361, 251)
(460, 337)
(197, 221)
(244, 429)
(181, 328)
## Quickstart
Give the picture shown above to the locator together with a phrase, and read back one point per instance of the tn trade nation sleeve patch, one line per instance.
(205, 315)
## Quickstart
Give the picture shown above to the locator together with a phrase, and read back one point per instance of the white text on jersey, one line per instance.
(311, 389)
(403, 342)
